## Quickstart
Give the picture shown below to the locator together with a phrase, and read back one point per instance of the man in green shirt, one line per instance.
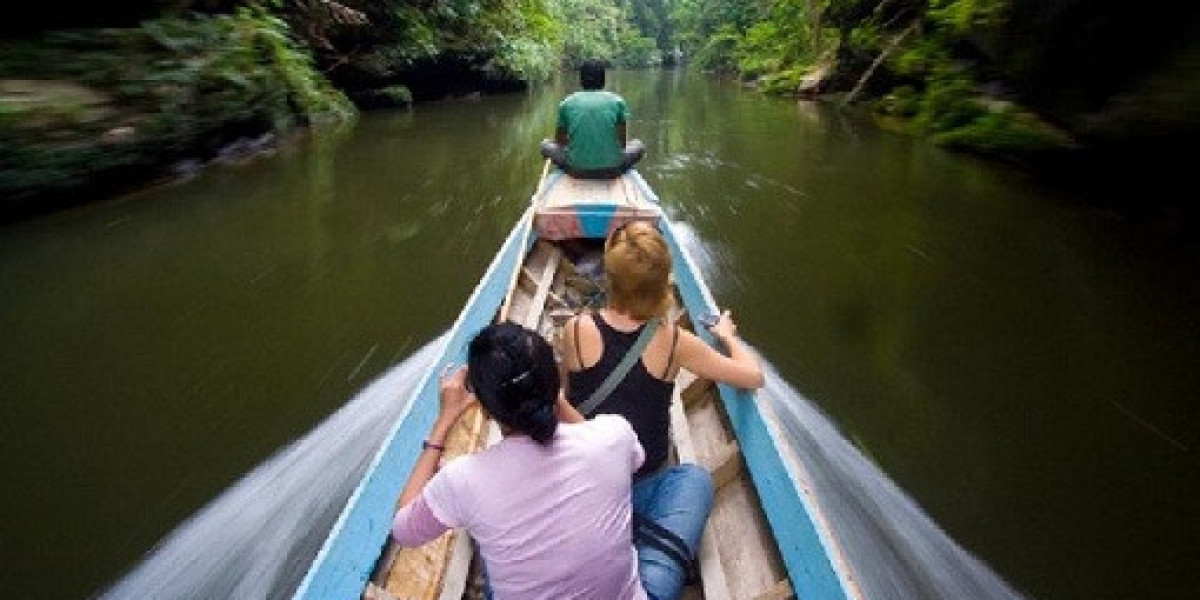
(590, 139)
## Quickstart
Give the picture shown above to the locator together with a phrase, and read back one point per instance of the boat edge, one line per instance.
(343, 565)
(804, 541)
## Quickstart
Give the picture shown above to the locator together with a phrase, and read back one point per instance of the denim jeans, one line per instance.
(678, 498)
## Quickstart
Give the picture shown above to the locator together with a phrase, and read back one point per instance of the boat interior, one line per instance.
(738, 555)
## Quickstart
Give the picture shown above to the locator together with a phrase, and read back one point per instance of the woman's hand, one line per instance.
(724, 329)
(737, 366)
(455, 399)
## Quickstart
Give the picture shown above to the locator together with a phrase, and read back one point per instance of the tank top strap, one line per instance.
(671, 356)
(578, 346)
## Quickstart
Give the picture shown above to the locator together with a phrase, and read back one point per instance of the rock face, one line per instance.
(62, 96)
(66, 143)
(87, 114)
(814, 82)
(1110, 73)
(58, 136)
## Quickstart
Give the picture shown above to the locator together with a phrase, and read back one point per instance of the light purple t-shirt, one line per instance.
(552, 522)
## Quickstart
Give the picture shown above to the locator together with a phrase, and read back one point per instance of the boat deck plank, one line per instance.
(417, 573)
(562, 191)
(747, 545)
(712, 572)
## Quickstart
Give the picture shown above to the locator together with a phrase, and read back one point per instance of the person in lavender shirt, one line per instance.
(549, 504)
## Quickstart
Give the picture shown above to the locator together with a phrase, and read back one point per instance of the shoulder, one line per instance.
(668, 329)
(617, 438)
(444, 491)
(610, 97)
(612, 425)
(457, 469)
(460, 476)
(579, 322)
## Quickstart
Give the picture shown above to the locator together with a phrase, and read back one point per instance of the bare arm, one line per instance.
(454, 401)
(622, 134)
(739, 369)
(561, 137)
(566, 413)
(566, 346)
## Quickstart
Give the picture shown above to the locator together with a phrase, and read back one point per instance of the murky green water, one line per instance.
(1025, 368)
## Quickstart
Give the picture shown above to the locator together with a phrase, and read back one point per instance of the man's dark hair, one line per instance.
(591, 74)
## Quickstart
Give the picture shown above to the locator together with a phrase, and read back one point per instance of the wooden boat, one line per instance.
(766, 538)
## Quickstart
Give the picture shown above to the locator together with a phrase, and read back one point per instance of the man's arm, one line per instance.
(622, 121)
(561, 137)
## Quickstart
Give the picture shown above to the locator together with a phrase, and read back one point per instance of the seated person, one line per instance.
(590, 139)
(670, 503)
(549, 504)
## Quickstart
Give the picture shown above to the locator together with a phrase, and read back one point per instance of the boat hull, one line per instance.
(346, 560)
(565, 209)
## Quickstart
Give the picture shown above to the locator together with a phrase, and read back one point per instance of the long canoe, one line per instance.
(766, 538)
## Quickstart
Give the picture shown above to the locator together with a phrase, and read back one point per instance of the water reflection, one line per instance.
(895, 550)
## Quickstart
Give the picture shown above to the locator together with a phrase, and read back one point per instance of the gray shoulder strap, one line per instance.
(614, 378)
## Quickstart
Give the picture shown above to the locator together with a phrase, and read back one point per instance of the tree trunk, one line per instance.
(814, 22)
(862, 82)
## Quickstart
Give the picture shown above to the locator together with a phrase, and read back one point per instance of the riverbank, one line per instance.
(91, 113)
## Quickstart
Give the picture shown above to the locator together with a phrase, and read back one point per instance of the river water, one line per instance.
(1013, 374)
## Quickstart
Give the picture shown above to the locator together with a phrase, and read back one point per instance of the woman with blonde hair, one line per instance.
(671, 504)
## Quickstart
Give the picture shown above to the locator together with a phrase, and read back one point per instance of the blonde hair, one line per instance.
(637, 266)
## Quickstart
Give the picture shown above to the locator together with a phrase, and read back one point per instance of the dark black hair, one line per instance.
(591, 74)
(512, 371)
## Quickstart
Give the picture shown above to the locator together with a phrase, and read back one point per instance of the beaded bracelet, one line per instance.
(427, 445)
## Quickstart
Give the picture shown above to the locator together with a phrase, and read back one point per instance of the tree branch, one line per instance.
(862, 82)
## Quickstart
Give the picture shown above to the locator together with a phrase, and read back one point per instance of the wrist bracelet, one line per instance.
(427, 445)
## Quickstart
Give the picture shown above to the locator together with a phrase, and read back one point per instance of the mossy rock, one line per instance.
(31, 104)
(85, 113)
(1005, 130)
(395, 96)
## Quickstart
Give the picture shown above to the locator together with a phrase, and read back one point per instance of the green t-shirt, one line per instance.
(590, 118)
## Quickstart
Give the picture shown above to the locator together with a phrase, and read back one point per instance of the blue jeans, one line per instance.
(678, 498)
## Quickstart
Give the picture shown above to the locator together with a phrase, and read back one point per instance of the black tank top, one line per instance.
(643, 399)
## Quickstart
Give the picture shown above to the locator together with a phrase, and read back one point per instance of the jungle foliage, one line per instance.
(1017, 78)
(429, 47)
(110, 93)
(102, 106)
(608, 33)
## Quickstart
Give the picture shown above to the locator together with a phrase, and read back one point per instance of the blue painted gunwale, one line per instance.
(805, 551)
(344, 563)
